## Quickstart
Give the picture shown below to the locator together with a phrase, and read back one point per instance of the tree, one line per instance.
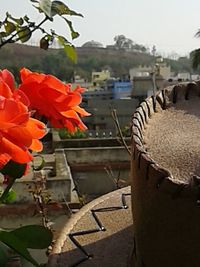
(51, 62)
(20, 29)
(121, 42)
(140, 48)
(195, 58)
(195, 54)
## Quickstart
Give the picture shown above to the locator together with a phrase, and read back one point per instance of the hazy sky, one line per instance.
(170, 25)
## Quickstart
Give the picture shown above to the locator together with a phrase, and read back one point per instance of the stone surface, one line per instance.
(112, 247)
(172, 139)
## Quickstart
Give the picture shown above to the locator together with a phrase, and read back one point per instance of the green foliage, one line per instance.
(23, 238)
(31, 236)
(195, 57)
(121, 42)
(4, 257)
(34, 236)
(68, 48)
(50, 63)
(45, 6)
(41, 164)
(10, 196)
(24, 33)
(21, 29)
(17, 245)
(183, 64)
(74, 34)
(59, 8)
(88, 60)
(126, 132)
(13, 29)
(65, 134)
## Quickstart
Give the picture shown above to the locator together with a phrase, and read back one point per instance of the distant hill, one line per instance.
(119, 61)
(54, 61)
(18, 54)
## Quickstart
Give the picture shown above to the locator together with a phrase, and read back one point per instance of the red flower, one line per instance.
(18, 132)
(53, 99)
(8, 78)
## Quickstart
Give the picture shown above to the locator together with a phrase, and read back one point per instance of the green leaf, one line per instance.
(14, 169)
(19, 21)
(74, 34)
(3, 255)
(34, 236)
(26, 18)
(45, 6)
(3, 34)
(69, 49)
(70, 52)
(17, 245)
(24, 34)
(9, 27)
(41, 165)
(62, 40)
(59, 8)
(10, 197)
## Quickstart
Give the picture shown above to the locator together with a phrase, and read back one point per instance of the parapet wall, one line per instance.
(97, 170)
(86, 142)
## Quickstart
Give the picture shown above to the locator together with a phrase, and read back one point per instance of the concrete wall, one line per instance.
(101, 112)
(93, 155)
(141, 85)
(96, 170)
(59, 189)
(88, 142)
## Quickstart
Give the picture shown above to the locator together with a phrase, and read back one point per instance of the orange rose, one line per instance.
(8, 78)
(18, 132)
(53, 99)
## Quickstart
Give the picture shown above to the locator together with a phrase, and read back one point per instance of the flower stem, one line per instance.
(7, 189)
(11, 39)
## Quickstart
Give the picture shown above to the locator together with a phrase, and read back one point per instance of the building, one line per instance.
(79, 81)
(101, 118)
(97, 94)
(147, 79)
(98, 77)
(184, 76)
(142, 71)
(143, 86)
(100, 103)
(92, 44)
(121, 89)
